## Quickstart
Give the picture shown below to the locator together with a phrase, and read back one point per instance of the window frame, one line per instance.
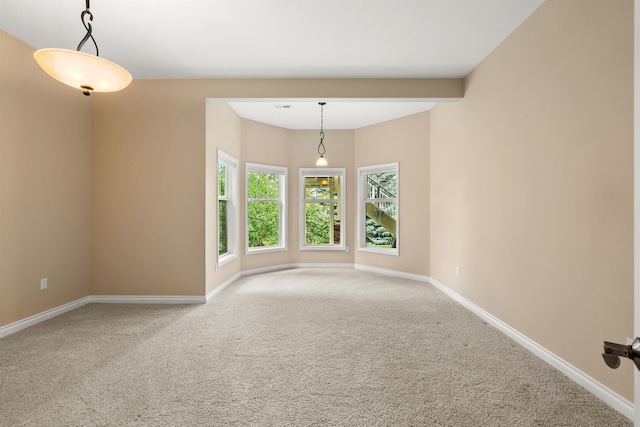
(322, 172)
(282, 171)
(363, 198)
(231, 196)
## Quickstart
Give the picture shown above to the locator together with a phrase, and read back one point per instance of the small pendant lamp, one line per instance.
(321, 149)
(84, 71)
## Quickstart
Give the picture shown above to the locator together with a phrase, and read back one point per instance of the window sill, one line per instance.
(265, 249)
(382, 251)
(323, 248)
(225, 259)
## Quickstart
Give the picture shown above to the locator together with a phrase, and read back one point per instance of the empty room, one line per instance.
(275, 212)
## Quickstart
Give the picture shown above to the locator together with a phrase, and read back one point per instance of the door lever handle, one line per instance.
(613, 352)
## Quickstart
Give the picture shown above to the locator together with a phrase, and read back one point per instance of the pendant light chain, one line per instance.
(321, 147)
(89, 28)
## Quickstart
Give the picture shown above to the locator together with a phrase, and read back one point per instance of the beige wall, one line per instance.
(267, 145)
(149, 175)
(224, 132)
(45, 183)
(531, 183)
(406, 141)
(148, 194)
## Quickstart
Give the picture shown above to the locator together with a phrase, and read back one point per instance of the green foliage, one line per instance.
(317, 223)
(381, 186)
(263, 215)
(318, 215)
(318, 187)
(377, 235)
(222, 210)
(222, 231)
(264, 223)
(222, 179)
(263, 185)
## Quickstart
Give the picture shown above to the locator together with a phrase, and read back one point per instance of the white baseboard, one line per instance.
(281, 267)
(394, 273)
(147, 299)
(604, 393)
(107, 299)
(322, 265)
(14, 327)
(268, 269)
(222, 287)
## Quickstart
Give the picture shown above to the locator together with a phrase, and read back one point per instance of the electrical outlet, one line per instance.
(457, 270)
(43, 284)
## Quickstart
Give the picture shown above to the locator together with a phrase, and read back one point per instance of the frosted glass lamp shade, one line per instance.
(81, 70)
(321, 161)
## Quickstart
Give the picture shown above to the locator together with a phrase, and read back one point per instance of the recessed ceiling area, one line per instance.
(338, 114)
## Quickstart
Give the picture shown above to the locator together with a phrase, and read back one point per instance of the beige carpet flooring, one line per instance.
(308, 347)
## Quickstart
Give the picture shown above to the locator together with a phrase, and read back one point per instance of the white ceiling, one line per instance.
(279, 39)
(337, 113)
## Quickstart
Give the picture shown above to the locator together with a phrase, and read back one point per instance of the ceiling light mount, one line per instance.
(88, 27)
(321, 148)
(84, 71)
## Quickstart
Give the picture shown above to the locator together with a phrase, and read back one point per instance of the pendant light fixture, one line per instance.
(321, 149)
(84, 71)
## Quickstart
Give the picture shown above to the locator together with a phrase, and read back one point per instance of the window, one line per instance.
(378, 208)
(266, 208)
(227, 208)
(322, 210)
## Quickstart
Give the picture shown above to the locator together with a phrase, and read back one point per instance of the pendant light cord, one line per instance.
(321, 148)
(87, 26)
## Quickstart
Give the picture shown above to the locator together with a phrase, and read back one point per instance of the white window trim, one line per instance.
(362, 191)
(231, 190)
(305, 172)
(276, 170)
